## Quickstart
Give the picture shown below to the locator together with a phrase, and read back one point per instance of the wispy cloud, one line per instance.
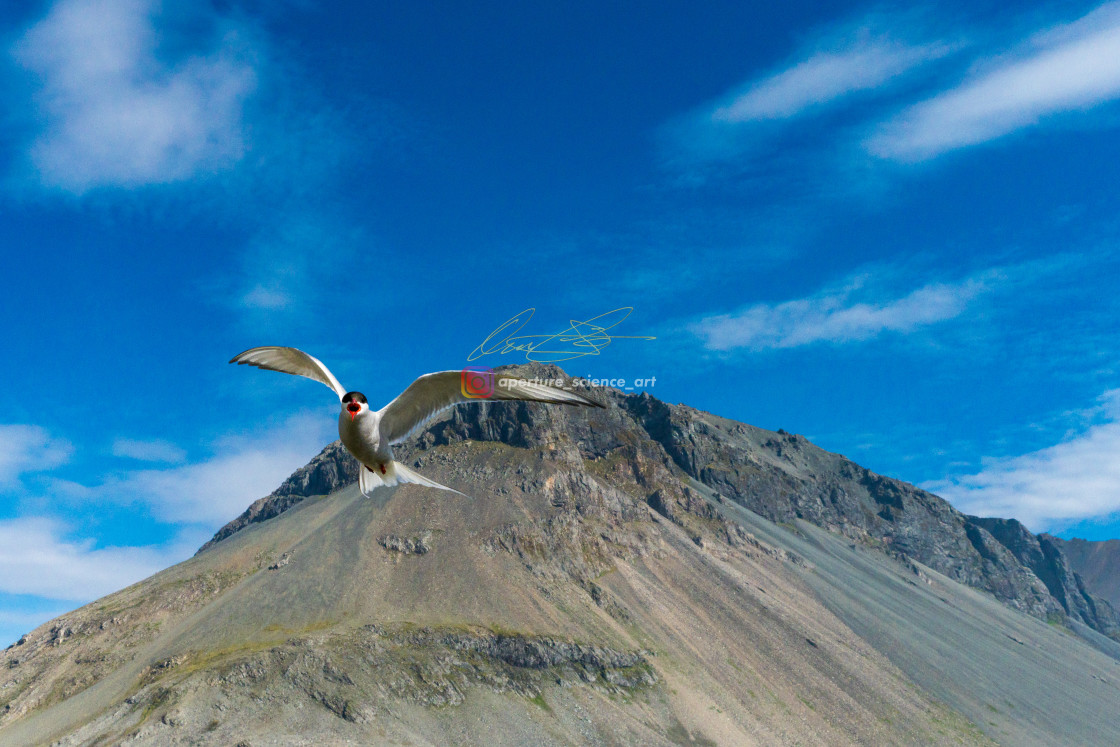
(44, 558)
(271, 296)
(29, 448)
(1067, 68)
(114, 113)
(867, 57)
(213, 491)
(292, 271)
(37, 559)
(837, 316)
(148, 451)
(1076, 479)
(826, 76)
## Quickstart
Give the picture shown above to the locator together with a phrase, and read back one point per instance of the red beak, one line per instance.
(353, 408)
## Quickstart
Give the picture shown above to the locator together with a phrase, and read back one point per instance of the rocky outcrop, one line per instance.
(358, 674)
(416, 545)
(659, 448)
(537, 652)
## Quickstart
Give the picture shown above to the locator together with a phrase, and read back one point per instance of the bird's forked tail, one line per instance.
(395, 474)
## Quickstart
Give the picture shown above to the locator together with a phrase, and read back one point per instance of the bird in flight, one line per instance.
(370, 435)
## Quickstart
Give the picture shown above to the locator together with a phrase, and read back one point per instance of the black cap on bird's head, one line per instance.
(353, 402)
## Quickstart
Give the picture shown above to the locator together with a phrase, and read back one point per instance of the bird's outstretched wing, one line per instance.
(292, 361)
(432, 393)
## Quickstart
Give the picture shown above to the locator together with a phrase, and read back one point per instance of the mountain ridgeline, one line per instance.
(779, 475)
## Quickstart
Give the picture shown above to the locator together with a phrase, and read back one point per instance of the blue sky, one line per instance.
(890, 228)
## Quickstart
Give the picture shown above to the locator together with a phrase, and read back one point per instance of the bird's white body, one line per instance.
(361, 436)
(370, 434)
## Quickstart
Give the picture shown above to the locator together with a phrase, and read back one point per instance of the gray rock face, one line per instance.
(1097, 563)
(779, 475)
(1044, 556)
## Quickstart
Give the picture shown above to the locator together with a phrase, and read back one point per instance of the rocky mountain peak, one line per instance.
(779, 475)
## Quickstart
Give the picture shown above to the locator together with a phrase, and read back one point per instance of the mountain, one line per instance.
(780, 476)
(1096, 562)
(644, 574)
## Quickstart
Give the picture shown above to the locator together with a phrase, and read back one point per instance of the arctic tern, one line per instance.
(370, 435)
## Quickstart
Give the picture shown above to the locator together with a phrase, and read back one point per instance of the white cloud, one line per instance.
(271, 298)
(824, 77)
(836, 316)
(1076, 479)
(291, 267)
(29, 448)
(115, 113)
(1067, 68)
(38, 560)
(214, 491)
(148, 451)
(868, 57)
